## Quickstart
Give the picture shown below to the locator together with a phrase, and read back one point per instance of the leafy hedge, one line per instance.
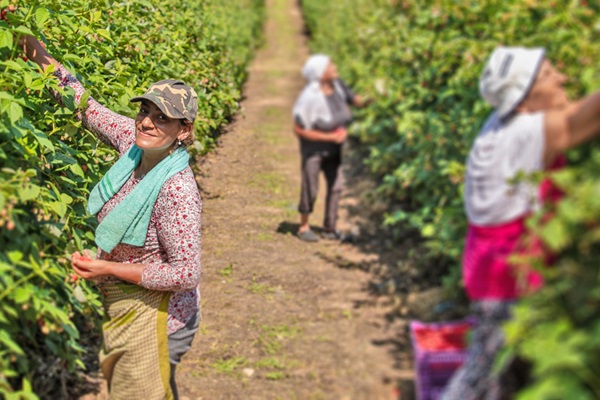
(49, 163)
(421, 60)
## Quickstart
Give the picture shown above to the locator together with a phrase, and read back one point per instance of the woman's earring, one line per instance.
(178, 142)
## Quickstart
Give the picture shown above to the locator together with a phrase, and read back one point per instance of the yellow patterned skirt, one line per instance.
(134, 357)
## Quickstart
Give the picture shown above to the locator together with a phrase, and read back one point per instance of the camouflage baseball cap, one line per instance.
(173, 97)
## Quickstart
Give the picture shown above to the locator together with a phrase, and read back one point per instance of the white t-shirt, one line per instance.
(501, 151)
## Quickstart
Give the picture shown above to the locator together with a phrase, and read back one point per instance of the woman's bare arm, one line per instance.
(571, 126)
(90, 269)
(319, 136)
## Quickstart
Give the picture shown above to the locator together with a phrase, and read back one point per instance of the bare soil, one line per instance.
(282, 319)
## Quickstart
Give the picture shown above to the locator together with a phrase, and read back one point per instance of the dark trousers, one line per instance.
(331, 165)
(179, 344)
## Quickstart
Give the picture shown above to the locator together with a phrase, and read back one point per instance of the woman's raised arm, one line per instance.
(113, 129)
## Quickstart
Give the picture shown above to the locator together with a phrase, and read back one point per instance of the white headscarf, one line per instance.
(509, 75)
(311, 105)
(315, 67)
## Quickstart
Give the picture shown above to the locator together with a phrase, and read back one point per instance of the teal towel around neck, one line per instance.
(128, 221)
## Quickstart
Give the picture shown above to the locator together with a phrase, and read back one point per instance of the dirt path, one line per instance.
(279, 321)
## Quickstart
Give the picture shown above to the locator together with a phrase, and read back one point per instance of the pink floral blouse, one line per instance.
(171, 253)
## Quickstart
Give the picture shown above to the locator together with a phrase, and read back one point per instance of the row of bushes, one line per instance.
(49, 163)
(420, 60)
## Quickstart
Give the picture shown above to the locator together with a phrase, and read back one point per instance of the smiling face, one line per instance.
(547, 91)
(157, 132)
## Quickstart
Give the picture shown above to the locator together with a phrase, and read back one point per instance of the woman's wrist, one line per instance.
(108, 269)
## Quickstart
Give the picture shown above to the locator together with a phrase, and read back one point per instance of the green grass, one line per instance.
(270, 182)
(227, 271)
(265, 237)
(270, 363)
(276, 368)
(274, 134)
(275, 376)
(323, 339)
(272, 338)
(274, 111)
(230, 365)
(284, 204)
(260, 288)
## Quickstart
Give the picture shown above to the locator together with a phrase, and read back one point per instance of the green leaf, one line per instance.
(15, 112)
(21, 295)
(61, 159)
(7, 96)
(555, 234)
(12, 65)
(49, 71)
(76, 169)
(24, 30)
(43, 140)
(41, 16)
(38, 84)
(83, 101)
(104, 33)
(428, 230)
(27, 79)
(66, 198)
(26, 385)
(29, 192)
(59, 208)
(8, 342)
(15, 256)
(6, 39)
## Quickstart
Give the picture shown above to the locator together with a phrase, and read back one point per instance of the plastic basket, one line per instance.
(439, 350)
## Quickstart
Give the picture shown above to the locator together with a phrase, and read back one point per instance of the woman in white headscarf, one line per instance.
(321, 115)
(533, 124)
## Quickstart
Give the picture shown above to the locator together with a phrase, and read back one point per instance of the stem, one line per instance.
(16, 284)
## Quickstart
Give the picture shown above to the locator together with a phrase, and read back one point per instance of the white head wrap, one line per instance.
(508, 76)
(315, 67)
(312, 104)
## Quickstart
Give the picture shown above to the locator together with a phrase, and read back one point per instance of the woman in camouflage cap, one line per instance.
(148, 261)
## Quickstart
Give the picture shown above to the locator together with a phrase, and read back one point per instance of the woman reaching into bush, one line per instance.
(532, 125)
(148, 208)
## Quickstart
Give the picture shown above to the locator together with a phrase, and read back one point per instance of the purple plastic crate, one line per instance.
(439, 350)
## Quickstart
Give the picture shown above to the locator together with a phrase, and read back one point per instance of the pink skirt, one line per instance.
(487, 273)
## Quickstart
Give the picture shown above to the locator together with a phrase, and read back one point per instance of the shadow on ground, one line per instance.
(287, 227)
